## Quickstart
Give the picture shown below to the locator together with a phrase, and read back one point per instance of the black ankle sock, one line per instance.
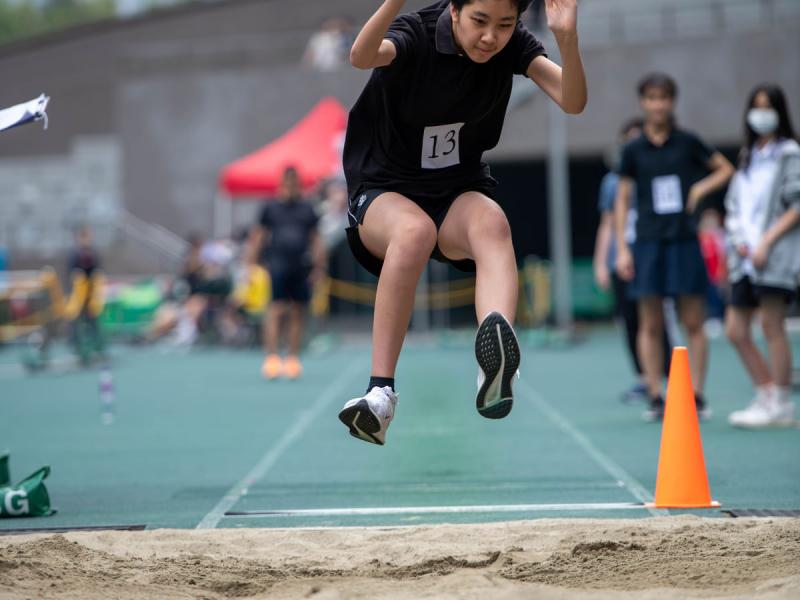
(380, 382)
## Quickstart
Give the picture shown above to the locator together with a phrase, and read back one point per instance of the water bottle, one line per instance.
(106, 395)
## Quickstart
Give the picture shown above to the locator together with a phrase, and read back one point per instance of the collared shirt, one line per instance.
(291, 224)
(663, 176)
(425, 120)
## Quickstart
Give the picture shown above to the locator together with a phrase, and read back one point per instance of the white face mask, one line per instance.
(764, 121)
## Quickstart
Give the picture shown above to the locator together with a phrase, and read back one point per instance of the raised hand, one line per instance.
(562, 16)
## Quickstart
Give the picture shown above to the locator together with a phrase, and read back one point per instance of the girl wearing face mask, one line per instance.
(763, 205)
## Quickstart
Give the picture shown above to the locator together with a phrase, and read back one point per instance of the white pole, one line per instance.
(559, 209)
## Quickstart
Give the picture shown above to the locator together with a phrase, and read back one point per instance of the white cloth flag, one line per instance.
(33, 110)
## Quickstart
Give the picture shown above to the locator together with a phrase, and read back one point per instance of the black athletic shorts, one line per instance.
(290, 285)
(746, 294)
(435, 205)
(668, 268)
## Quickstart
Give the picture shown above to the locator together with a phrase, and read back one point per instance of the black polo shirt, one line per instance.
(291, 224)
(423, 122)
(663, 176)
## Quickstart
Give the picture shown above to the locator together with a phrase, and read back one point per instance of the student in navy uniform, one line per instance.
(418, 187)
(605, 257)
(673, 170)
(287, 243)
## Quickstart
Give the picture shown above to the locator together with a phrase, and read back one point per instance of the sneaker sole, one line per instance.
(497, 353)
(362, 422)
(773, 425)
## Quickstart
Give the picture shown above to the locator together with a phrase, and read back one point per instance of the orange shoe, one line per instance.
(272, 367)
(292, 367)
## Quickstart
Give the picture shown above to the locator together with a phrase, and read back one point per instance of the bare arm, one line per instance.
(319, 256)
(601, 246)
(255, 242)
(782, 226)
(621, 205)
(371, 50)
(565, 84)
(721, 172)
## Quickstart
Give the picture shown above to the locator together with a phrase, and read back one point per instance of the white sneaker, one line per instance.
(497, 352)
(368, 417)
(766, 410)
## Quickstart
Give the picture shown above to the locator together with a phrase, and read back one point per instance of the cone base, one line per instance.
(713, 504)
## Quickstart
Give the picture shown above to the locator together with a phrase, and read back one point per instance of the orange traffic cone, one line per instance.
(682, 481)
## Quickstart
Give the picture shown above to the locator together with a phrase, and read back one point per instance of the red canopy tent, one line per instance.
(313, 146)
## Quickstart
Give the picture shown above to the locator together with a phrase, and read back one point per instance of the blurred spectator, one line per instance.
(240, 322)
(328, 48)
(711, 235)
(287, 242)
(763, 213)
(191, 269)
(605, 256)
(86, 298)
(198, 296)
(673, 170)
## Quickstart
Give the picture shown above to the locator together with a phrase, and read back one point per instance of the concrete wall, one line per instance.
(183, 92)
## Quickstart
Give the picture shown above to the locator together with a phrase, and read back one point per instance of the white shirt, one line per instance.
(754, 189)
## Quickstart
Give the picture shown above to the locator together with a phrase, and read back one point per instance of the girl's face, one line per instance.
(762, 118)
(657, 105)
(482, 28)
(761, 101)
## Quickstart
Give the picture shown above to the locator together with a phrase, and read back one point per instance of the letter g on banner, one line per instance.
(18, 508)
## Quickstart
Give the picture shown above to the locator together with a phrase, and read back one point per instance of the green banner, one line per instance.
(29, 498)
(5, 478)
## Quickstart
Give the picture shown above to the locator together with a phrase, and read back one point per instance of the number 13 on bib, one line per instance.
(440, 146)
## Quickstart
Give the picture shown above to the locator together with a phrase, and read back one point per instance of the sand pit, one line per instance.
(674, 557)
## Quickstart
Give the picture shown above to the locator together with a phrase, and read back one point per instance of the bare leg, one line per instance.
(476, 228)
(398, 231)
(650, 345)
(773, 321)
(272, 325)
(692, 312)
(297, 313)
(737, 328)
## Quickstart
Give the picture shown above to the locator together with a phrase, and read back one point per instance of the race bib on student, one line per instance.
(440, 146)
(667, 197)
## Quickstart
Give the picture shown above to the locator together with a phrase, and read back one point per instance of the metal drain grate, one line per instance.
(762, 512)
(68, 529)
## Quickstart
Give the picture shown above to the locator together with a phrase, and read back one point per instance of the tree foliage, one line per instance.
(25, 18)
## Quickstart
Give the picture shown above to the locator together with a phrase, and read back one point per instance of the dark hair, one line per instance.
(635, 123)
(777, 100)
(658, 80)
(521, 5)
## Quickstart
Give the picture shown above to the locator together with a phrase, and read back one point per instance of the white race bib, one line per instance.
(667, 197)
(440, 146)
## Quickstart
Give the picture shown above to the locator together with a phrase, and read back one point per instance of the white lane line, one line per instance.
(428, 510)
(612, 468)
(274, 453)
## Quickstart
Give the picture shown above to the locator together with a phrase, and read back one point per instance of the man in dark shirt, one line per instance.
(418, 186)
(286, 242)
(673, 170)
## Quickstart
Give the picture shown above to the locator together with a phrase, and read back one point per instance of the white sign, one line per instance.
(440, 146)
